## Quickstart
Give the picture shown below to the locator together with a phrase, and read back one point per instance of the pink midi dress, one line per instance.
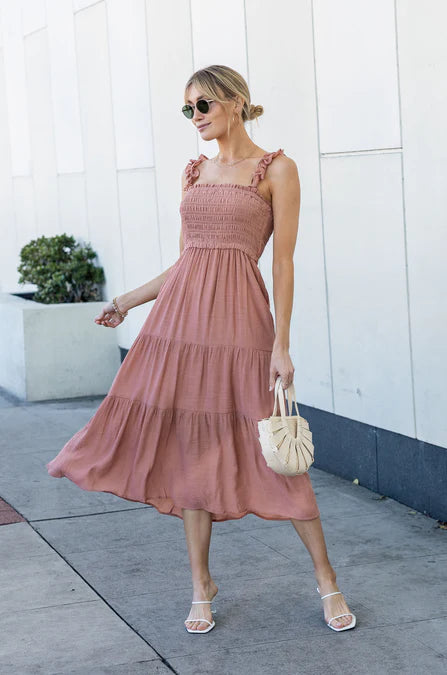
(178, 428)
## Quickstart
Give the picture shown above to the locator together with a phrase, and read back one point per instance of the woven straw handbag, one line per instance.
(286, 441)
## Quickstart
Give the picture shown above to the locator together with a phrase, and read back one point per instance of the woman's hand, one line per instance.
(108, 317)
(281, 364)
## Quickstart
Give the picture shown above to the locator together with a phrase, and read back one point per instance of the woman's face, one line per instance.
(216, 119)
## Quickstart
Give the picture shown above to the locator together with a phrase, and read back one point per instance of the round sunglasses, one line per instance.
(202, 106)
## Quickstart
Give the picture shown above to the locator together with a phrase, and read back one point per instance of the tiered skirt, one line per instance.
(178, 428)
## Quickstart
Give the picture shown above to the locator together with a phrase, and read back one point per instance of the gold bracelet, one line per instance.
(117, 310)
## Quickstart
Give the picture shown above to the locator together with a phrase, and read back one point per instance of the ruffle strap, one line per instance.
(192, 172)
(259, 174)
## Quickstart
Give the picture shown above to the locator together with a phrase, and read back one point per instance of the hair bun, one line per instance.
(255, 111)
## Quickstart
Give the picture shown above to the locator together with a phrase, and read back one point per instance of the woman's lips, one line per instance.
(203, 126)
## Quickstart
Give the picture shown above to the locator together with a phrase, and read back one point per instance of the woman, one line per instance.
(178, 428)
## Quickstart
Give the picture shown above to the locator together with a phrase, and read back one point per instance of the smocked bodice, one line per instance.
(226, 215)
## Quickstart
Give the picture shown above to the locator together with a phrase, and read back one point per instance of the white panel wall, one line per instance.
(356, 67)
(42, 137)
(25, 211)
(423, 76)
(218, 37)
(73, 205)
(290, 122)
(16, 92)
(366, 275)
(64, 84)
(174, 140)
(130, 83)
(83, 4)
(93, 143)
(98, 136)
(33, 15)
(8, 249)
(141, 246)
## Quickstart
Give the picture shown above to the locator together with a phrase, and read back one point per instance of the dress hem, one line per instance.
(155, 503)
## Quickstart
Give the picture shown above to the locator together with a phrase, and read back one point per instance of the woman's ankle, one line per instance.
(326, 575)
(202, 584)
(201, 580)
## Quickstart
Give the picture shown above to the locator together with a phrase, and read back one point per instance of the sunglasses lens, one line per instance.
(202, 106)
(188, 111)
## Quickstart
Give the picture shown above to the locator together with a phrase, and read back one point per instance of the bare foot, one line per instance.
(203, 592)
(334, 604)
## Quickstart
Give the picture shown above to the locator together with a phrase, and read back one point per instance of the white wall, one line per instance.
(92, 142)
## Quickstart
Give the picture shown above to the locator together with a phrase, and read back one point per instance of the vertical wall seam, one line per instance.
(13, 192)
(53, 132)
(157, 209)
(84, 154)
(322, 211)
(404, 218)
(118, 201)
(193, 60)
(28, 116)
(250, 122)
(8, 141)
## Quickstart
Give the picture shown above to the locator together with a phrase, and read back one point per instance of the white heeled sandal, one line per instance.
(350, 625)
(196, 630)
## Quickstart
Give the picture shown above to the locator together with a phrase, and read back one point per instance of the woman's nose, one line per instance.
(198, 116)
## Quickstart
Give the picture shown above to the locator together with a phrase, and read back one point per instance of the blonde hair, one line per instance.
(223, 84)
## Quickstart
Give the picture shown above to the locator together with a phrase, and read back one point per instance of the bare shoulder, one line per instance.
(283, 167)
(284, 183)
(286, 196)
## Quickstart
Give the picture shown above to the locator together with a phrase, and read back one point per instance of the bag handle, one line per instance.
(290, 393)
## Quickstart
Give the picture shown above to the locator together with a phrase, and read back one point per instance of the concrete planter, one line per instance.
(55, 351)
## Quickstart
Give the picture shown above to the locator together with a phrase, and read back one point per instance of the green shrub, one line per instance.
(62, 270)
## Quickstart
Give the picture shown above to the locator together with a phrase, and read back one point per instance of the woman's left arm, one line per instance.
(285, 188)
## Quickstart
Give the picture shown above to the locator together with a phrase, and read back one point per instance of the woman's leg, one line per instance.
(311, 533)
(198, 525)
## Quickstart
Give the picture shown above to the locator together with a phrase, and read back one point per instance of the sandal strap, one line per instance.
(339, 615)
(200, 602)
(328, 594)
(210, 622)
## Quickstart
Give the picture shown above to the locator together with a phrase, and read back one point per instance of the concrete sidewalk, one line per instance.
(94, 584)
